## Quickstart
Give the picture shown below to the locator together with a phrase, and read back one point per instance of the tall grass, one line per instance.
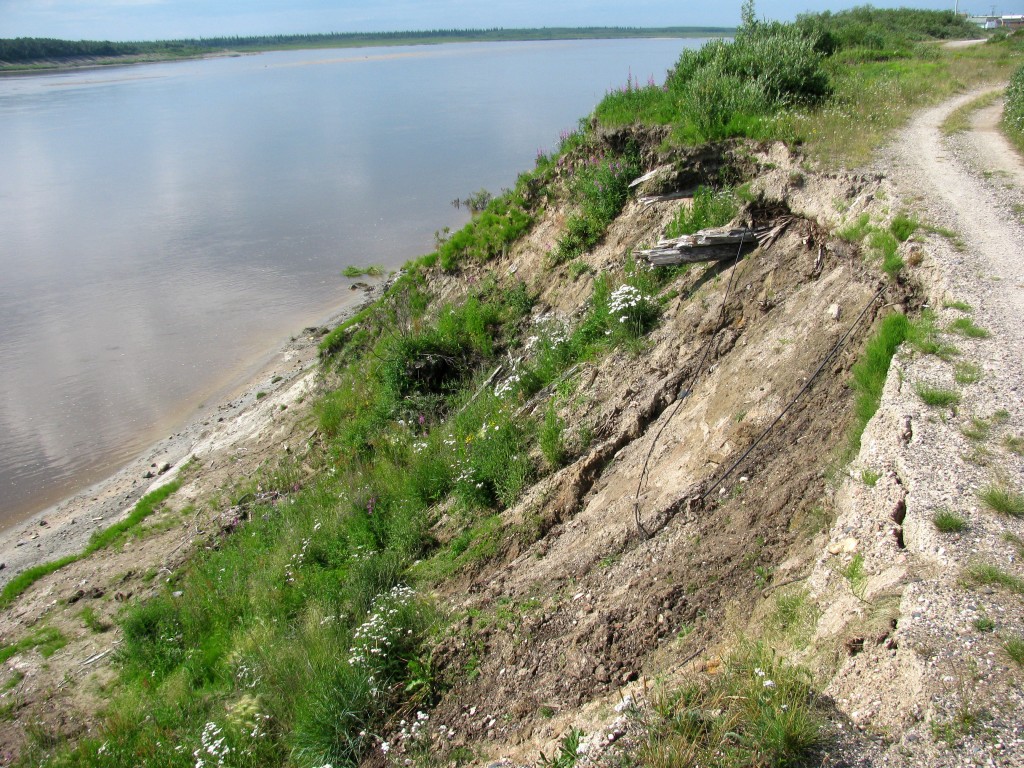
(870, 373)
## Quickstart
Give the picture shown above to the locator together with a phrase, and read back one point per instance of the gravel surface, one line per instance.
(939, 684)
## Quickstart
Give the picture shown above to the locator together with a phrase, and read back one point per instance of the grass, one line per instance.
(754, 710)
(101, 539)
(964, 326)
(1003, 500)
(985, 574)
(984, 624)
(709, 208)
(967, 373)
(937, 397)
(869, 477)
(1014, 647)
(963, 306)
(47, 641)
(946, 521)
(959, 121)
(1013, 112)
(978, 430)
(870, 372)
(371, 271)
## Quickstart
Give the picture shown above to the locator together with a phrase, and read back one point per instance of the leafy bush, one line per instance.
(599, 190)
(1013, 112)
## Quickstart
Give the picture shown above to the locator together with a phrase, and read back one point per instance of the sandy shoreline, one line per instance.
(64, 528)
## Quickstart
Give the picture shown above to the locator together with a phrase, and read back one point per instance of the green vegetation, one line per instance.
(870, 373)
(1013, 112)
(46, 641)
(725, 89)
(757, 710)
(946, 521)
(985, 574)
(351, 271)
(965, 327)
(599, 189)
(959, 120)
(1014, 647)
(709, 208)
(882, 243)
(101, 539)
(937, 397)
(305, 633)
(1001, 499)
(967, 373)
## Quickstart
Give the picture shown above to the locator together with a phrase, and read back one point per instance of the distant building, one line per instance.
(1012, 21)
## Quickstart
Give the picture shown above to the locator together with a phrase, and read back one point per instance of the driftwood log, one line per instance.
(706, 245)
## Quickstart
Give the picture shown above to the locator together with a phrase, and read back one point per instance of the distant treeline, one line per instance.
(26, 49)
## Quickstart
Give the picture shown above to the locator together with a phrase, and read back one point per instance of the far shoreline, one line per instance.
(324, 42)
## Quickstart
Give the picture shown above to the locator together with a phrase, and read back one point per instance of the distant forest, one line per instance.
(28, 49)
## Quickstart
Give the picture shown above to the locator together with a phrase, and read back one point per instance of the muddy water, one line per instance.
(162, 226)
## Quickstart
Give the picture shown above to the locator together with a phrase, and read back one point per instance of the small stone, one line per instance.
(834, 311)
(847, 545)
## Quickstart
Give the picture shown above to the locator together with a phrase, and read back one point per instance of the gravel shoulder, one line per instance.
(943, 688)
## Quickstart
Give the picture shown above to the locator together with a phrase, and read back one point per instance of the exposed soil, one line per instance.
(606, 583)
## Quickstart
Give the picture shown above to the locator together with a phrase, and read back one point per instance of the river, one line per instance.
(163, 226)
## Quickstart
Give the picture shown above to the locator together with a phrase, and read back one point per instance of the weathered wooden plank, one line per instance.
(706, 245)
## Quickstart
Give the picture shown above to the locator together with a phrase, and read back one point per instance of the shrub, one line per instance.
(1013, 112)
(599, 190)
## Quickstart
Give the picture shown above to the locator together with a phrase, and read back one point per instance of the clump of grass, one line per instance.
(1001, 499)
(552, 443)
(903, 226)
(869, 477)
(371, 271)
(1014, 647)
(1014, 443)
(46, 641)
(986, 574)
(709, 208)
(978, 430)
(937, 397)
(963, 306)
(93, 621)
(983, 623)
(964, 326)
(855, 573)
(761, 707)
(946, 521)
(967, 373)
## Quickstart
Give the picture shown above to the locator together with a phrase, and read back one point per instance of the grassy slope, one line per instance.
(295, 640)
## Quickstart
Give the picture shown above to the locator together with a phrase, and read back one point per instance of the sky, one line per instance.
(169, 19)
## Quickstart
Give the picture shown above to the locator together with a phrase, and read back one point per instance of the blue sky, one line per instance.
(162, 19)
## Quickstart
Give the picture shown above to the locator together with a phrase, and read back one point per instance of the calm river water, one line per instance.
(163, 226)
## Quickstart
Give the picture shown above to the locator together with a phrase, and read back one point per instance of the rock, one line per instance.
(165, 467)
(845, 546)
(834, 311)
